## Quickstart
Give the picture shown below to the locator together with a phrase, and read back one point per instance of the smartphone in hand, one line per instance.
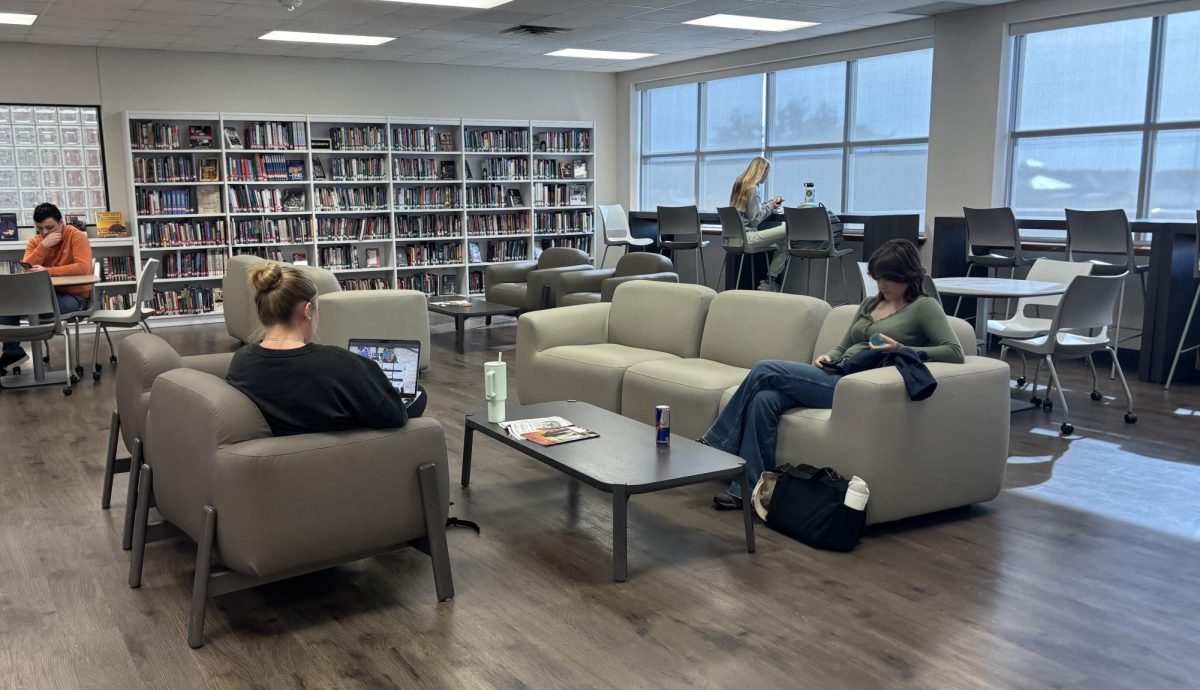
(25, 265)
(877, 340)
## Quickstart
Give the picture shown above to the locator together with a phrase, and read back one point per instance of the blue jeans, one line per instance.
(66, 304)
(749, 424)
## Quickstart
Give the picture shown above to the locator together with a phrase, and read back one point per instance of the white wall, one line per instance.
(120, 80)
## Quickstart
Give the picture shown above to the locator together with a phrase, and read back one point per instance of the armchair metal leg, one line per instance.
(139, 527)
(1180, 349)
(1092, 368)
(435, 532)
(131, 495)
(1130, 417)
(1037, 373)
(604, 255)
(1115, 343)
(1067, 428)
(110, 460)
(112, 351)
(96, 352)
(204, 549)
(741, 265)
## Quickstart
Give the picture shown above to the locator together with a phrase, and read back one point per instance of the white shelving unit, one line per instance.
(418, 196)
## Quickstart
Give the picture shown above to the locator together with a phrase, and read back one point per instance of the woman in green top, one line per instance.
(900, 316)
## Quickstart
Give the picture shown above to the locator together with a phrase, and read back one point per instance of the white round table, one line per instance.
(984, 290)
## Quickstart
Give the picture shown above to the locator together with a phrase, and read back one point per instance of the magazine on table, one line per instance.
(547, 431)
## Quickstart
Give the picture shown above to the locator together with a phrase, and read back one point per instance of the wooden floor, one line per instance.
(1084, 573)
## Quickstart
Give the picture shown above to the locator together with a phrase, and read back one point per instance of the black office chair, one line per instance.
(810, 237)
(682, 224)
(1187, 325)
(733, 240)
(996, 230)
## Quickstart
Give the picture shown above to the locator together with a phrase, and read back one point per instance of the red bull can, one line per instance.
(662, 425)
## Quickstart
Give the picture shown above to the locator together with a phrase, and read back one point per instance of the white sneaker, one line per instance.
(768, 285)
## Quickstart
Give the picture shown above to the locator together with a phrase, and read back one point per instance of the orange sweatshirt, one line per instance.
(71, 257)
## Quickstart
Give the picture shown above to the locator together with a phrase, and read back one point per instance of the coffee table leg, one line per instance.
(620, 533)
(747, 511)
(459, 323)
(468, 436)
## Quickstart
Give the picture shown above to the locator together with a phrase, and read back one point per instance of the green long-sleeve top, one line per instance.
(920, 326)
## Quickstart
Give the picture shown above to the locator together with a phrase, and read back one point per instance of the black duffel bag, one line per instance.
(808, 504)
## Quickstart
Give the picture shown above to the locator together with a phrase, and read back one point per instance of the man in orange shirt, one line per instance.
(60, 250)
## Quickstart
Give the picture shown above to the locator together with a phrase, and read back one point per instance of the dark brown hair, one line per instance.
(279, 290)
(899, 262)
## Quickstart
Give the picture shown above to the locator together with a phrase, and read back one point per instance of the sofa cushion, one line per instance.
(580, 298)
(591, 373)
(667, 317)
(692, 387)
(747, 326)
(512, 294)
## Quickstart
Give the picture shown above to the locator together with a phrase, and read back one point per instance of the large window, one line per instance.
(858, 130)
(1108, 116)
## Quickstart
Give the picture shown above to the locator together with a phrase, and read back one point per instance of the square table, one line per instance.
(623, 461)
(460, 313)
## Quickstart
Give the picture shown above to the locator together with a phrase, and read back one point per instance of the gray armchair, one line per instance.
(598, 285)
(533, 285)
(286, 505)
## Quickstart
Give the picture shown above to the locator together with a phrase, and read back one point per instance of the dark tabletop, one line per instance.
(625, 452)
(475, 308)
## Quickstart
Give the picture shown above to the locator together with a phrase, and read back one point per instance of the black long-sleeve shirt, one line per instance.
(316, 388)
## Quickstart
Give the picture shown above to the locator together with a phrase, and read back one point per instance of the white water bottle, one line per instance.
(857, 494)
(495, 388)
(810, 193)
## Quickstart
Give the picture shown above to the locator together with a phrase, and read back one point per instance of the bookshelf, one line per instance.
(381, 201)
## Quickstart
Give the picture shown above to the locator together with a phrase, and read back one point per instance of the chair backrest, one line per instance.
(143, 358)
(1099, 232)
(641, 263)
(869, 286)
(25, 294)
(665, 317)
(930, 288)
(1052, 271)
(733, 232)
(1088, 304)
(375, 315)
(679, 222)
(995, 228)
(557, 257)
(809, 226)
(783, 326)
(145, 286)
(616, 222)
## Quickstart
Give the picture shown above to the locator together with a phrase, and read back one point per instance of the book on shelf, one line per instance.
(579, 171)
(233, 140)
(447, 170)
(322, 143)
(295, 171)
(299, 258)
(467, 168)
(446, 141)
(473, 254)
(565, 171)
(79, 220)
(449, 285)
(513, 197)
(373, 257)
(318, 169)
(577, 195)
(8, 227)
(200, 136)
(111, 224)
(208, 200)
(210, 170)
(293, 200)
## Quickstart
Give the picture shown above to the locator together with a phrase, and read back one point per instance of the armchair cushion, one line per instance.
(377, 314)
(512, 294)
(584, 281)
(591, 373)
(577, 298)
(544, 285)
(558, 257)
(609, 287)
(692, 387)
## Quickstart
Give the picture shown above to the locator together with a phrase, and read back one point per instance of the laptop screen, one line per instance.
(400, 361)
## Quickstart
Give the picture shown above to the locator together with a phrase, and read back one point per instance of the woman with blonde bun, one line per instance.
(301, 387)
(747, 199)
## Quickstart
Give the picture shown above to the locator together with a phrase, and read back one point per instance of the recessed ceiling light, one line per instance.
(600, 54)
(737, 21)
(475, 4)
(14, 18)
(339, 39)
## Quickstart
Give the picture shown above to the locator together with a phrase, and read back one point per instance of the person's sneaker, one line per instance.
(768, 285)
(726, 502)
(12, 359)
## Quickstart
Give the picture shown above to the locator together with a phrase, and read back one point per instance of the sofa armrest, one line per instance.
(585, 324)
(516, 272)
(294, 501)
(545, 285)
(610, 285)
(215, 364)
(583, 281)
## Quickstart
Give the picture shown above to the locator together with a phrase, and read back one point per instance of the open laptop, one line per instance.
(400, 361)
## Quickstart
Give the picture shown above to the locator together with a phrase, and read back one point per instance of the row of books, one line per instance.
(116, 268)
(565, 141)
(499, 140)
(560, 195)
(268, 253)
(165, 202)
(432, 284)
(502, 250)
(345, 257)
(581, 243)
(550, 169)
(181, 233)
(365, 284)
(497, 223)
(428, 225)
(269, 167)
(167, 136)
(429, 197)
(353, 228)
(269, 135)
(115, 300)
(266, 200)
(429, 254)
(421, 139)
(185, 300)
(563, 221)
(493, 196)
(351, 199)
(165, 169)
(356, 169)
(504, 169)
(200, 264)
(364, 138)
(422, 169)
(9, 268)
(263, 230)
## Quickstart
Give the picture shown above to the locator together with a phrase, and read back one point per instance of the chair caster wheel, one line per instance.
(74, 379)
(96, 377)
(79, 369)
(45, 359)
(1037, 402)
(1048, 405)
(1096, 395)
(112, 359)
(1021, 382)
(98, 368)
(1130, 418)
(1067, 429)
(67, 391)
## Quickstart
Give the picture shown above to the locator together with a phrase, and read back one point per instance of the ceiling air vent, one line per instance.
(531, 30)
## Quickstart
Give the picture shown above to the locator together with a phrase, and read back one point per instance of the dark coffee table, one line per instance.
(476, 308)
(623, 461)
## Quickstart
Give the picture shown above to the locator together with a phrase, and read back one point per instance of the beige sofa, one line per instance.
(345, 314)
(686, 346)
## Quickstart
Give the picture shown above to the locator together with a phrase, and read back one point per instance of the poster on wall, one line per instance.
(51, 153)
